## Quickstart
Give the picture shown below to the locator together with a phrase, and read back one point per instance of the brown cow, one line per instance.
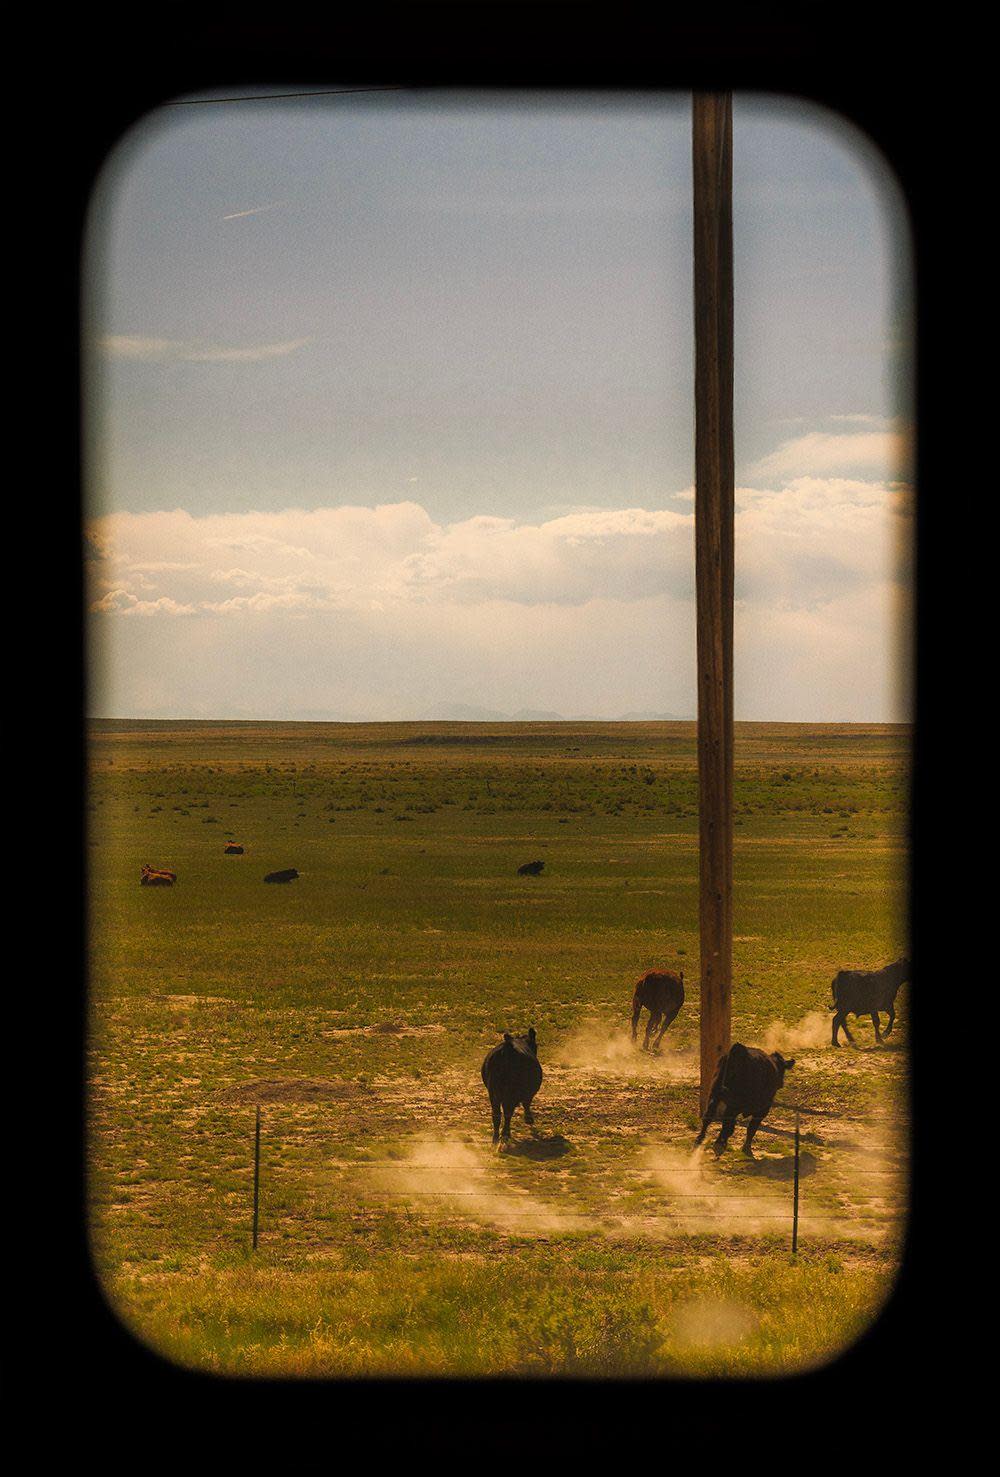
(662, 993)
(154, 877)
(232, 848)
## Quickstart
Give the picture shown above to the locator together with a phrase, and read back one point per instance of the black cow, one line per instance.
(745, 1082)
(232, 848)
(512, 1074)
(288, 875)
(530, 869)
(857, 992)
(662, 993)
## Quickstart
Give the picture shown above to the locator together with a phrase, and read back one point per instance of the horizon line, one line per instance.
(495, 722)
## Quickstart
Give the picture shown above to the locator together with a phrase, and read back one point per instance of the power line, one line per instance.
(268, 97)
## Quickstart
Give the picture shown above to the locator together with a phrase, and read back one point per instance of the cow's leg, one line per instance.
(710, 1112)
(505, 1133)
(529, 1116)
(668, 1020)
(636, 1013)
(838, 1021)
(654, 1019)
(847, 1030)
(878, 1032)
(495, 1105)
(892, 1018)
(752, 1128)
(728, 1124)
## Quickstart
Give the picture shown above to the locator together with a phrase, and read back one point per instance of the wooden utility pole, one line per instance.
(712, 139)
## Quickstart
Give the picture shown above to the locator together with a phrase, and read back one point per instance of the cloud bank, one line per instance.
(354, 611)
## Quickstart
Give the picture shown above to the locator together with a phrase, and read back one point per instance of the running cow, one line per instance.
(856, 992)
(288, 875)
(662, 994)
(156, 877)
(745, 1082)
(512, 1074)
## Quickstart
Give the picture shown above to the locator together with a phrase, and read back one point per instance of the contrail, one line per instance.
(239, 214)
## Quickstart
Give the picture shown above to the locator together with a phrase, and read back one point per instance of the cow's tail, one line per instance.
(736, 1052)
(833, 992)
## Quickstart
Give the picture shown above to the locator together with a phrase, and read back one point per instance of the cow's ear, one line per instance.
(789, 1064)
(506, 1037)
(531, 1033)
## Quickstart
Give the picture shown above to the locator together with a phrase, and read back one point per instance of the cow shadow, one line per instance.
(782, 1169)
(540, 1147)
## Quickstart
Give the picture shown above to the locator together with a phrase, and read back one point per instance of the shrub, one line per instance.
(572, 1333)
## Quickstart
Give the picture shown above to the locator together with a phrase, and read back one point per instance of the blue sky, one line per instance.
(477, 312)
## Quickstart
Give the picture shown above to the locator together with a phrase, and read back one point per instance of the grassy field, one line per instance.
(355, 1006)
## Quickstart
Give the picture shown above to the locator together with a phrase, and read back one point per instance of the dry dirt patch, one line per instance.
(181, 1002)
(385, 1028)
(293, 1090)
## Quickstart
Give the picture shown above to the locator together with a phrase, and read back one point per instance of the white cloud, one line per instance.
(863, 419)
(124, 602)
(346, 557)
(883, 453)
(131, 346)
(359, 611)
(801, 546)
(168, 350)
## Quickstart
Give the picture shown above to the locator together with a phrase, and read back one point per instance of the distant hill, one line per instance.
(653, 718)
(463, 713)
(466, 713)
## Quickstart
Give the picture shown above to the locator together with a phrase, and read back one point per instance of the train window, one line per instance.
(393, 805)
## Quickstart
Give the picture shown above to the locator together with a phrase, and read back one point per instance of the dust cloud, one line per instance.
(808, 1034)
(868, 1176)
(697, 1196)
(446, 1173)
(710, 1324)
(608, 1049)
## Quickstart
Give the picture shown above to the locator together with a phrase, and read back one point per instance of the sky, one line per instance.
(389, 412)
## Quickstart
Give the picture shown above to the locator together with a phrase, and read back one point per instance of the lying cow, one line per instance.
(745, 1082)
(288, 875)
(156, 877)
(232, 849)
(856, 992)
(662, 993)
(530, 869)
(512, 1074)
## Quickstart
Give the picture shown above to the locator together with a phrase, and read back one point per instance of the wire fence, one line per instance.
(668, 1197)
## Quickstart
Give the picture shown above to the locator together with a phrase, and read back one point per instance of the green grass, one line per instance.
(503, 1314)
(356, 1005)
